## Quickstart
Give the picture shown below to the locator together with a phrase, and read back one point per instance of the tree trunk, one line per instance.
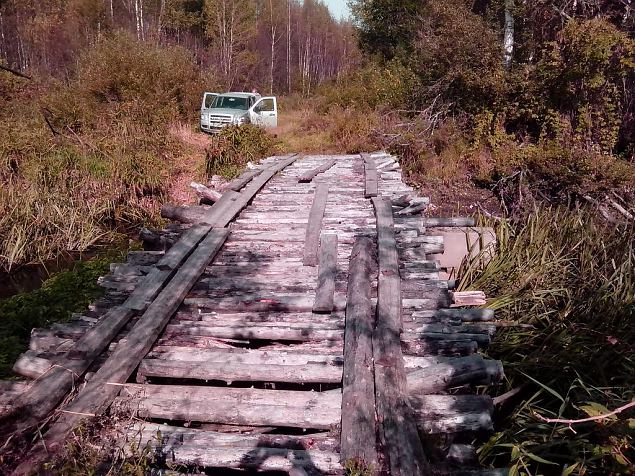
(289, 46)
(508, 40)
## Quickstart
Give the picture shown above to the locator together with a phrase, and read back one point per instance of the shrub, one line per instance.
(151, 85)
(391, 85)
(234, 146)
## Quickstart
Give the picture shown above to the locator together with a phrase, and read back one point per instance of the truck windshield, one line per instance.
(231, 102)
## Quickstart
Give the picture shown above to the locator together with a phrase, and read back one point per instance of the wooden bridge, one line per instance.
(296, 325)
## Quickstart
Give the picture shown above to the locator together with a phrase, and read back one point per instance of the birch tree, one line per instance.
(508, 39)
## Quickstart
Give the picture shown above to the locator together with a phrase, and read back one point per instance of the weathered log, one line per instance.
(206, 194)
(421, 347)
(255, 332)
(468, 298)
(146, 432)
(262, 302)
(466, 315)
(358, 434)
(45, 340)
(453, 373)
(314, 454)
(397, 431)
(457, 221)
(463, 455)
(185, 213)
(308, 176)
(144, 258)
(98, 393)
(370, 177)
(242, 406)
(309, 372)
(31, 365)
(154, 241)
(482, 340)
(246, 177)
(327, 268)
(314, 227)
(413, 209)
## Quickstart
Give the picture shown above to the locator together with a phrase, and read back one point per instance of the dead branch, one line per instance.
(584, 420)
(15, 72)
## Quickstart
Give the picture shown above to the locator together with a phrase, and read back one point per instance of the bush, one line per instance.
(234, 146)
(151, 85)
(392, 85)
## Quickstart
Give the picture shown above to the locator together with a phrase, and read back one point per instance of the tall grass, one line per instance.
(570, 280)
(83, 159)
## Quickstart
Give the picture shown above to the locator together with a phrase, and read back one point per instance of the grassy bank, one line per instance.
(566, 280)
(59, 297)
(91, 155)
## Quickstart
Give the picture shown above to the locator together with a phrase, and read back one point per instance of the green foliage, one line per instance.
(568, 282)
(391, 85)
(354, 467)
(61, 295)
(580, 80)
(124, 77)
(386, 27)
(234, 146)
(457, 56)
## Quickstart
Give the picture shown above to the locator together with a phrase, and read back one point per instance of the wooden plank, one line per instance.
(262, 302)
(146, 432)
(251, 190)
(243, 179)
(458, 221)
(310, 454)
(453, 373)
(327, 269)
(100, 390)
(308, 176)
(238, 406)
(255, 332)
(397, 430)
(358, 435)
(312, 237)
(147, 290)
(310, 372)
(370, 176)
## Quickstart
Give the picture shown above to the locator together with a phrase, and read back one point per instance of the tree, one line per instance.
(386, 27)
(231, 26)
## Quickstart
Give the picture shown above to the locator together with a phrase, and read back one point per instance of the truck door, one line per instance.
(265, 112)
(208, 99)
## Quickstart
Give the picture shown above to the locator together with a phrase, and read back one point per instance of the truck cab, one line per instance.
(237, 108)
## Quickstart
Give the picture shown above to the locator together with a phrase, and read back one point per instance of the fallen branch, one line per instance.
(584, 420)
(15, 72)
(206, 193)
(619, 208)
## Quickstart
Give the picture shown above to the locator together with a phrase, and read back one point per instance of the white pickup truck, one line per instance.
(221, 110)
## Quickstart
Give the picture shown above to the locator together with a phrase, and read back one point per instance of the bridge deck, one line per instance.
(312, 335)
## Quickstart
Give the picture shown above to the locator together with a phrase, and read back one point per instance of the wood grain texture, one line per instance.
(314, 227)
(359, 431)
(101, 390)
(397, 429)
(327, 269)
(310, 175)
(370, 177)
